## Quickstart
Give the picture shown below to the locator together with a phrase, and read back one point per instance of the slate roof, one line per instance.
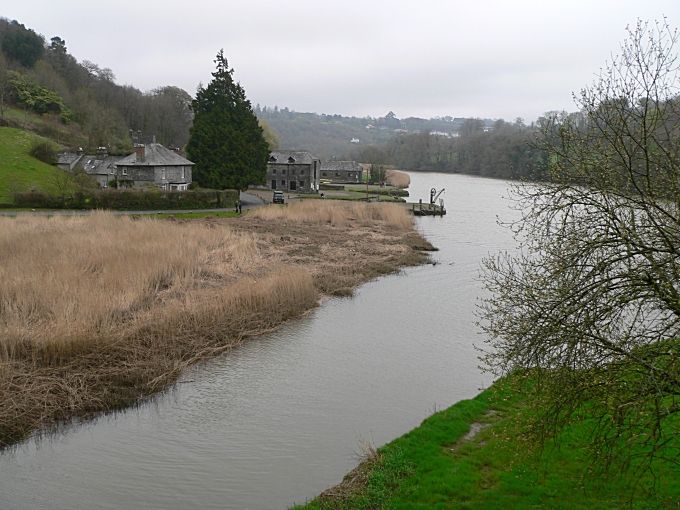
(67, 158)
(299, 157)
(334, 166)
(96, 164)
(155, 155)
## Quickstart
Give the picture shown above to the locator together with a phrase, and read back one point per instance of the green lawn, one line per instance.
(378, 190)
(18, 170)
(353, 196)
(431, 468)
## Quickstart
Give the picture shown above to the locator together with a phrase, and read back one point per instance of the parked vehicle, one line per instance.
(278, 197)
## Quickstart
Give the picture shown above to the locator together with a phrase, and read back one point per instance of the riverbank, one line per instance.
(478, 454)
(100, 311)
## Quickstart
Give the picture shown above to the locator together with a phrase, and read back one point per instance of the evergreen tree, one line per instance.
(226, 142)
(22, 44)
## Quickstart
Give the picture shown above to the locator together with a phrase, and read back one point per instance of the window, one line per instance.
(163, 174)
(124, 170)
(273, 183)
(274, 171)
(283, 183)
(302, 184)
(183, 177)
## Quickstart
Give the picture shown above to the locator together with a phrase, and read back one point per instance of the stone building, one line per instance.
(68, 160)
(154, 165)
(297, 171)
(101, 166)
(341, 172)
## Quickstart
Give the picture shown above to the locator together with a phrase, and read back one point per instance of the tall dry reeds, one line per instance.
(97, 311)
(398, 179)
(338, 213)
(73, 280)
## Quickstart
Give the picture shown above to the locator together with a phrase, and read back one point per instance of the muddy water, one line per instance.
(279, 419)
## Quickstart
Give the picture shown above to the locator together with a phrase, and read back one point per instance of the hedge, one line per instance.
(130, 200)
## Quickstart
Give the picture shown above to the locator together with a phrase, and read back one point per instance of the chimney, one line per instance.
(139, 152)
(102, 152)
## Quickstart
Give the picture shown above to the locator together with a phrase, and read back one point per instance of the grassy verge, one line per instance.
(495, 466)
(377, 190)
(353, 196)
(48, 126)
(98, 311)
(19, 171)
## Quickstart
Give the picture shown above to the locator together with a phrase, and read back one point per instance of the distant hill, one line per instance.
(339, 137)
(486, 147)
(46, 90)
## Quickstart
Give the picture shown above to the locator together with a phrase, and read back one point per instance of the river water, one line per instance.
(279, 419)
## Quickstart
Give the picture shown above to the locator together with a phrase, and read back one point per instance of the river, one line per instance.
(279, 419)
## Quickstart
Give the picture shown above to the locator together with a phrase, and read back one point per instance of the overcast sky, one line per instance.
(425, 58)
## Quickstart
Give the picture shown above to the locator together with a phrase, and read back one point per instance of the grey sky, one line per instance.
(486, 58)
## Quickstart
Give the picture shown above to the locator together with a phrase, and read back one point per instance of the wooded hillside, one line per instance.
(43, 78)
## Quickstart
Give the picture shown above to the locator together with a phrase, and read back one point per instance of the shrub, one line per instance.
(45, 152)
(38, 98)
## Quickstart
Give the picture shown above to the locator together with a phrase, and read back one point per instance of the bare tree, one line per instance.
(589, 306)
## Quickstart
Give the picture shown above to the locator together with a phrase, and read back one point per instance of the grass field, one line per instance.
(49, 126)
(436, 467)
(19, 171)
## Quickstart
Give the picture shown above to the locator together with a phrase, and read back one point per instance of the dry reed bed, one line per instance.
(337, 215)
(98, 311)
(398, 179)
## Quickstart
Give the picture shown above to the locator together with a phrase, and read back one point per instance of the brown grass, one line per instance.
(98, 311)
(398, 179)
(70, 281)
(332, 213)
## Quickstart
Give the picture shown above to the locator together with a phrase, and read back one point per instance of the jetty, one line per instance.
(425, 209)
(430, 209)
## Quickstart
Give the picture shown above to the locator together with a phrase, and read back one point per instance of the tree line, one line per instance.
(503, 150)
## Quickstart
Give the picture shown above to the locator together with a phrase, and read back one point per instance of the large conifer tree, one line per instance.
(226, 142)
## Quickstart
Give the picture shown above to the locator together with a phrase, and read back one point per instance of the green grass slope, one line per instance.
(19, 171)
(435, 467)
